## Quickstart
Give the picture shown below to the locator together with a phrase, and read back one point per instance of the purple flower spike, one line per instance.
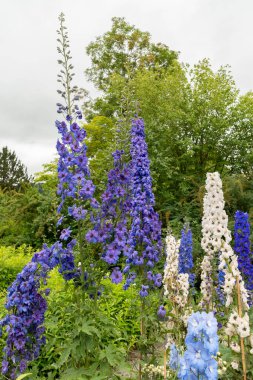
(145, 232)
(242, 248)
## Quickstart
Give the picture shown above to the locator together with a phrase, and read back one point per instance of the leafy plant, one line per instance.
(83, 342)
(12, 260)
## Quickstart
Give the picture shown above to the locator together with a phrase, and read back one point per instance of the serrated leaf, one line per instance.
(63, 358)
(88, 329)
(74, 374)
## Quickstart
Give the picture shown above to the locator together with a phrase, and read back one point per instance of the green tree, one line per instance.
(12, 172)
(123, 50)
(101, 142)
(47, 178)
(29, 212)
(28, 216)
(196, 121)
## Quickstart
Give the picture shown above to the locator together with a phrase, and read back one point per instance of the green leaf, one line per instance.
(74, 374)
(89, 329)
(23, 376)
(63, 358)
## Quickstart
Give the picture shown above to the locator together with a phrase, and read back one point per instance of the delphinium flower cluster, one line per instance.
(242, 248)
(144, 240)
(26, 305)
(127, 225)
(176, 290)
(75, 186)
(176, 285)
(111, 223)
(214, 231)
(185, 259)
(216, 244)
(201, 346)
(238, 326)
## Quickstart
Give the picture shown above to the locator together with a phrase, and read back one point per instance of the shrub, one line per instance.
(12, 261)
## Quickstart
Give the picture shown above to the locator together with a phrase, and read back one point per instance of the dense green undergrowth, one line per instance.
(86, 339)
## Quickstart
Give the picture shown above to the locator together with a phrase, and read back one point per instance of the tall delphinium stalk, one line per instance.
(176, 290)
(144, 240)
(26, 302)
(111, 224)
(185, 259)
(176, 285)
(242, 249)
(177, 280)
(214, 232)
(216, 244)
(75, 186)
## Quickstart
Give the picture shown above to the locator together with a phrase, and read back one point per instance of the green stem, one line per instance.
(82, 255)
(66, 69)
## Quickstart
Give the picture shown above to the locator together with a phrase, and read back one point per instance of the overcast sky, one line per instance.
(219, 29)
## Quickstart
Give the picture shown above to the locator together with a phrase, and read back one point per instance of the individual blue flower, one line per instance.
(111, 256)
(116, 276)
(161, 312)
(65, 234)
(144, 291)
(211, 370)
(92, 236)
(197, 356)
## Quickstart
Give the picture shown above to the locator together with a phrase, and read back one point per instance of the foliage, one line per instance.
(100, 144)
(28, 216)
(99, 339)
(124, 49)
(12, 260)
(82, 342)
(12, 172)
(196, 121)
(47, 177)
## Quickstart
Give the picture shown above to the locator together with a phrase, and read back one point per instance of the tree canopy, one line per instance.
(123, 50)
(196, 119)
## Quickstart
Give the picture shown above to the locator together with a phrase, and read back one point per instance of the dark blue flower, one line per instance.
(242, 248)
(185, 259)
(144, 291)
(144, 238)
(161, 311)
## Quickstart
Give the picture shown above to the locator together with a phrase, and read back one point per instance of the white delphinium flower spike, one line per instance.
(176, 285)
(215, 243)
